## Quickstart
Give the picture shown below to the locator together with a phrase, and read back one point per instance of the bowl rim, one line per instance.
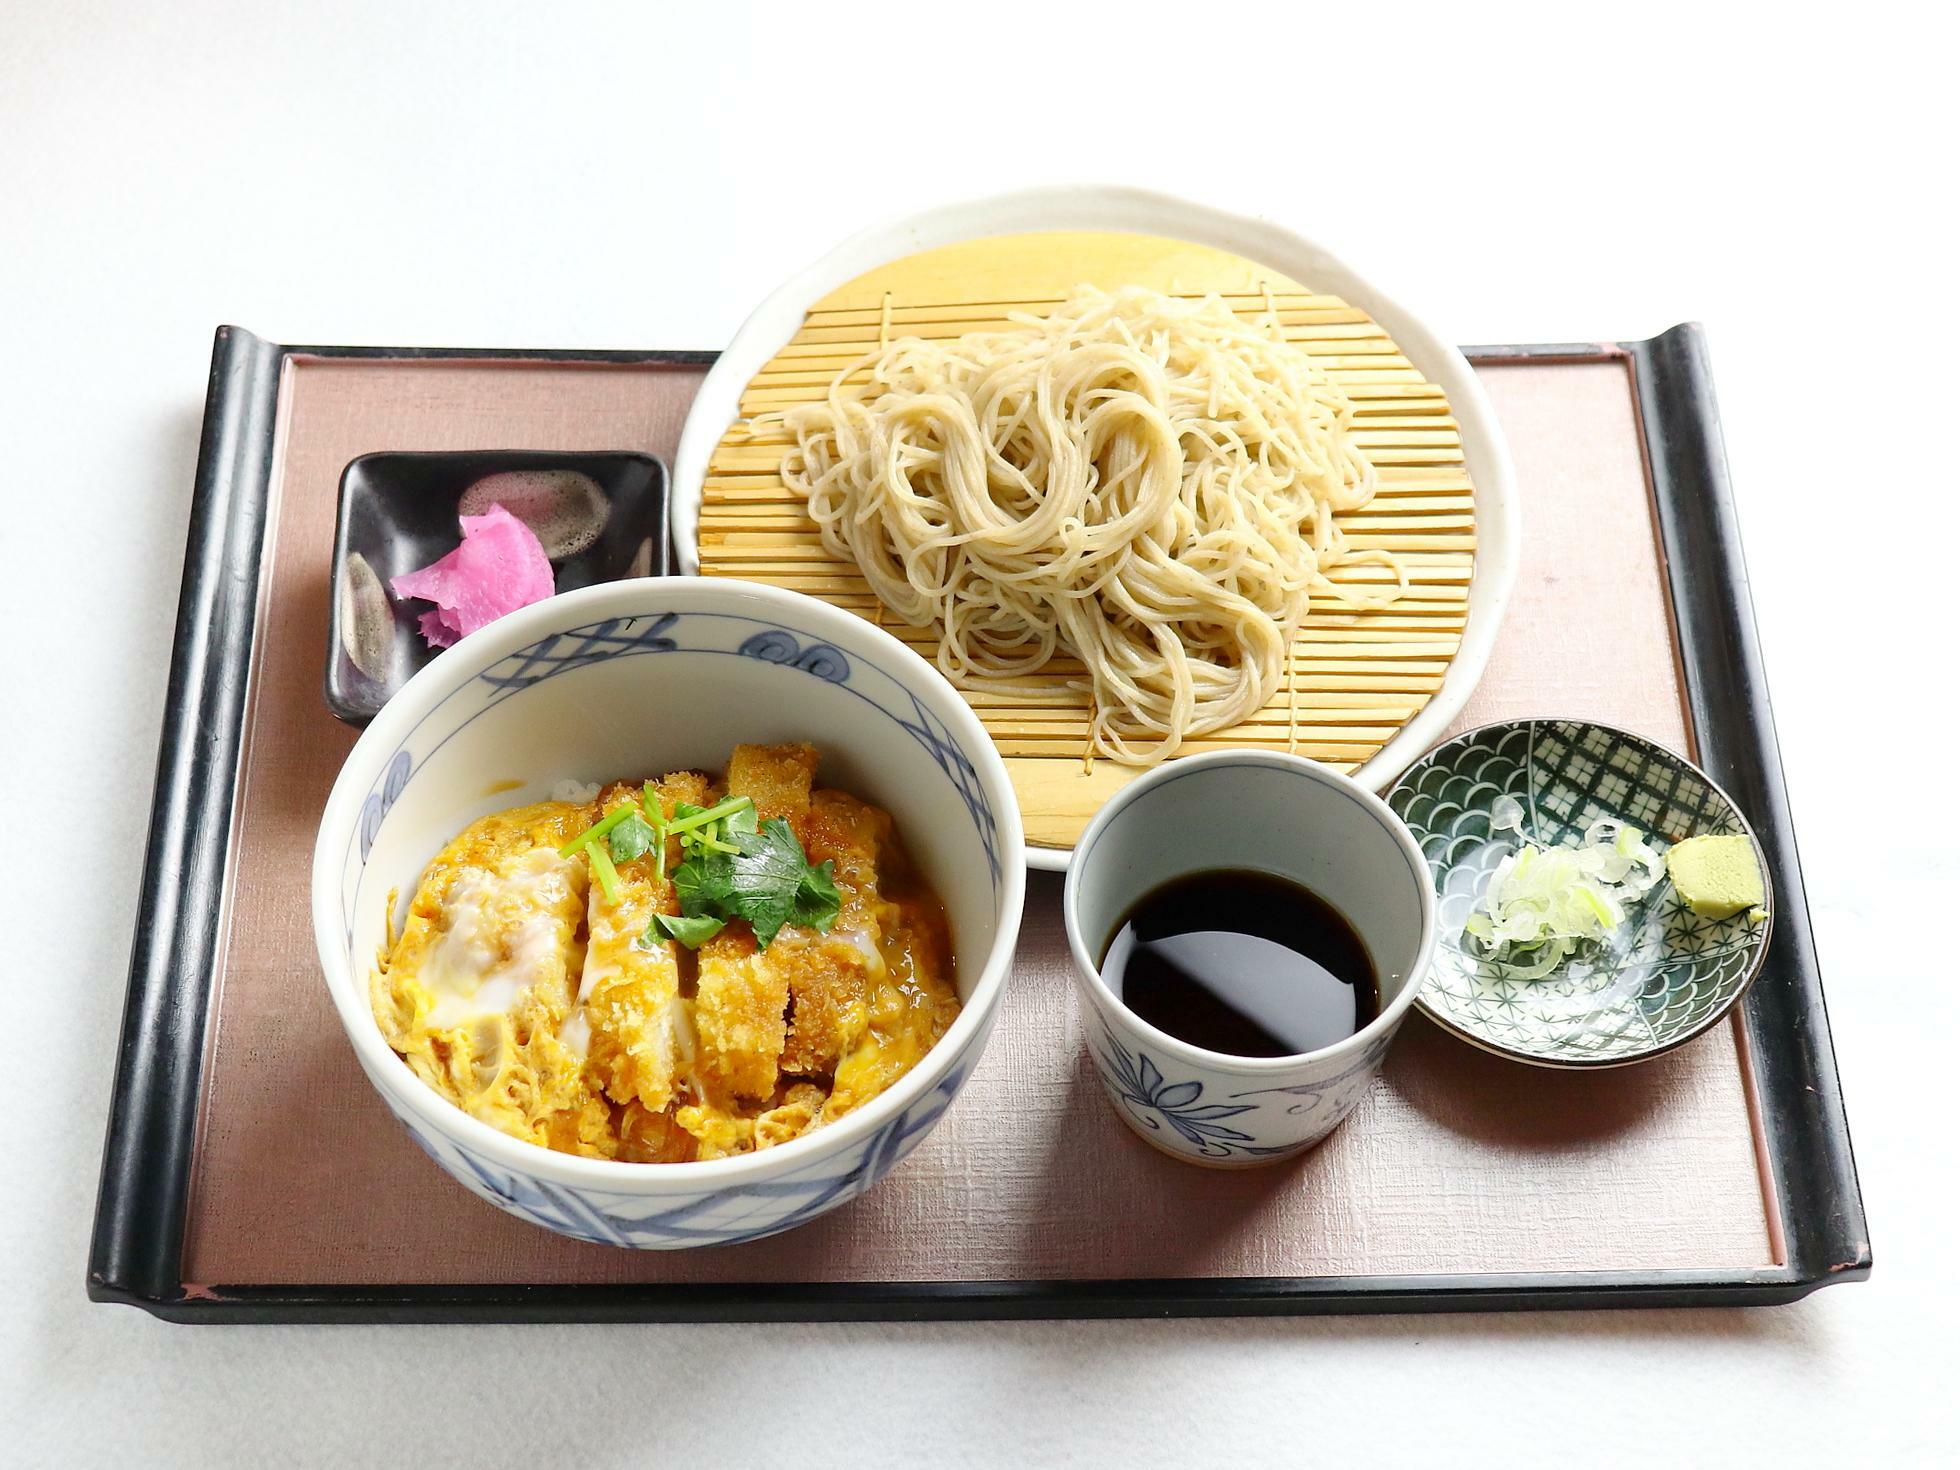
(443, 676)
(1764, 932)
(1123, 209)
(1088, 971)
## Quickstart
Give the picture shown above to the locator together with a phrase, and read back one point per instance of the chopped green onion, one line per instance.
(1542, 902)
(714, 813)
(602, 866)
(657, 820)
(601, 828)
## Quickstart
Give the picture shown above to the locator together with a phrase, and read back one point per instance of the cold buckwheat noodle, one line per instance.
(1145, 484)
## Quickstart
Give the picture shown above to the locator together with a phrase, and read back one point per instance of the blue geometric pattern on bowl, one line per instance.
(1666, 976)
(394, 781)
(780, 647)
(1300, 1115)
(719, 1214)
(560, 653)
(714, 633)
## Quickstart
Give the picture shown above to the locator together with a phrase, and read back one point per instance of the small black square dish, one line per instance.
(601, 517)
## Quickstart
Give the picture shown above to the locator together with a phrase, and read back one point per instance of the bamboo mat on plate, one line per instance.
(1356, 676)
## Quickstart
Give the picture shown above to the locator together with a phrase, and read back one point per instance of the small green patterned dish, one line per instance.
(1662, 979)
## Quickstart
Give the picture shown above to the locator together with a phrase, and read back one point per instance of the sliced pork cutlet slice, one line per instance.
(909, 998)
(776, 778)
(741, 995)
(831, 975)
(642, 1045)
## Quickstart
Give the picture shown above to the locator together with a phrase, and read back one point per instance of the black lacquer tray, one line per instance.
(171, 1229)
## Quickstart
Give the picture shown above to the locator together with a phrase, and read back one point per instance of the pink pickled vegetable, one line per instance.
(499, 568)
(439, 633)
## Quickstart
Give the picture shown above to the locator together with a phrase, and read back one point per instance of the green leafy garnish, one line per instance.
(630, 838)
(817, 899)
(766, 879)
(693, 932)
(765, 873)
(691, 888)
(737, 868)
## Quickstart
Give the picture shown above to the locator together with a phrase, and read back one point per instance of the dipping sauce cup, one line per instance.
(1282, 815)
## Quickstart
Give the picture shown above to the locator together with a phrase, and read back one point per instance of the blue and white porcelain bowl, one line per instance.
(1277, 814)
(647, 676)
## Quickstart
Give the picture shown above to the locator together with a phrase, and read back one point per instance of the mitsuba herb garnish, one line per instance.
(760, 874)
(735, 868)
(630, 839)
(693, 932)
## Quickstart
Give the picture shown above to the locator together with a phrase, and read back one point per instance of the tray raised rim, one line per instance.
(141, 1208)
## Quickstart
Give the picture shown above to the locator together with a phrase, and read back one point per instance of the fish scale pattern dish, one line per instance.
(1661, 979)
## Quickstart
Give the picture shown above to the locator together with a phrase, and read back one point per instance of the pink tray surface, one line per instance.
(1455, 1161)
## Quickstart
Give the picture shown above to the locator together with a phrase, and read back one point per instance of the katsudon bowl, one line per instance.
(637, 678)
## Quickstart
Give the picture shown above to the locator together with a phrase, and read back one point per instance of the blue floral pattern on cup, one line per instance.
(1157, 1103)
(1302, 1115)
(1334, 1096)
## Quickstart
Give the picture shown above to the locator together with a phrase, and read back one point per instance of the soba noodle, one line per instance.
(1145, 484)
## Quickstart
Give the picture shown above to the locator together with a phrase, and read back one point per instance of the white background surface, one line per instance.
(552, 175)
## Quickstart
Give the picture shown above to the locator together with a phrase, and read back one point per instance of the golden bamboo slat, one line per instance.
(1355, 678)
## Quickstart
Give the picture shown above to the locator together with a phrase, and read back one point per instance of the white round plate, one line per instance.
(1139, 211)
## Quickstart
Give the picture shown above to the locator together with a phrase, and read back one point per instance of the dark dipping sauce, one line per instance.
(1244, 963)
